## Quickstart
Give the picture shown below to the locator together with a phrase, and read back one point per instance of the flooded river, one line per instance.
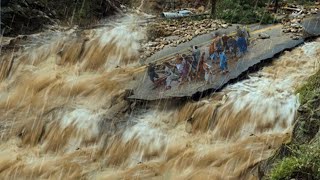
(64, 115)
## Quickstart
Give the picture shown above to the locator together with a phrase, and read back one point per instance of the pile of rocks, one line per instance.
(291, 24)
(180, 31)
(294, 27)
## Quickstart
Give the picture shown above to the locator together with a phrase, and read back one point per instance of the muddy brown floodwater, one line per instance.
(58, 122)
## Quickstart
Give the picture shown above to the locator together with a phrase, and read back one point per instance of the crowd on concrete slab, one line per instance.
(195, 66)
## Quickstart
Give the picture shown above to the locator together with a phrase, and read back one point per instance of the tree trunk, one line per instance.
(213, 8)
(276, 6)
(4, 2)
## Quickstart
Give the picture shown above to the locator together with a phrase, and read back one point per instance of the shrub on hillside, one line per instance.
(303, 164)
(241, 11)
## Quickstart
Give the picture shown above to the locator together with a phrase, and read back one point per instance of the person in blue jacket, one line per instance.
(223, 62)
(242, 44)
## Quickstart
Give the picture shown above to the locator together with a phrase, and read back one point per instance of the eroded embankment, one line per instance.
(301, 157)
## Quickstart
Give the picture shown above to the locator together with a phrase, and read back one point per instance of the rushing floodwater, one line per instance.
(59, 105)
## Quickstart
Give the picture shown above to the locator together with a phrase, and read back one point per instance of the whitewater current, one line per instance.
(64, 114)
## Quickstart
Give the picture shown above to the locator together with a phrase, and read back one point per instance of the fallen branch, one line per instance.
(291, 9)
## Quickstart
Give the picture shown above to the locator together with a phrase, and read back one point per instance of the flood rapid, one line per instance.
(65, 115)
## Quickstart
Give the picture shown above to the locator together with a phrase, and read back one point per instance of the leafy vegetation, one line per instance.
(304, 163)
(249, 11)
(303, 2)
(311, 89)
(244, 11)
(302, 159)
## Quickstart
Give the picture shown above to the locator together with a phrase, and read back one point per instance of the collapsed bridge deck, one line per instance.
(259, 51)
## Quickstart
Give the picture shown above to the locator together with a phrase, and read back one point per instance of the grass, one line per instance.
(302, 2)
(303, 163)
(302, 160)
(244, 12)
(310, 89)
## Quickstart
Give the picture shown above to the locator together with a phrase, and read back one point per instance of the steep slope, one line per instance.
(29, 16)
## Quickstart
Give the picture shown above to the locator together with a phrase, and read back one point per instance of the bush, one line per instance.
(243, 12)
(309, 90)
(302, 159)
(304, 163)
(303, 2)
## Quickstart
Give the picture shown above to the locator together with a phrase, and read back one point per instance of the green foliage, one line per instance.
(302, 2)
(310, 89)
(244, 12)
(304, 163)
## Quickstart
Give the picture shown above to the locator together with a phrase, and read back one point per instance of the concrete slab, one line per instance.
(259, 51)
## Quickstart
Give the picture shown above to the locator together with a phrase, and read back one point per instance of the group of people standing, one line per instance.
(187, 68)
(235, 46)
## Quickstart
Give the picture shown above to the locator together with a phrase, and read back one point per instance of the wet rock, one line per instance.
(201, 9)
(152, 44)
(224, 26)
(286, 30)
(314, 11)
(264, 36)
(142, 57)
(147, 53)
(197, 32)
(295, 37)
(189, 37)
(295, 25)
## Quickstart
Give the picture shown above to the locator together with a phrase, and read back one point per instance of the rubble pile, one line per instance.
(291, 24)
(294, 27)
(180, 31)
